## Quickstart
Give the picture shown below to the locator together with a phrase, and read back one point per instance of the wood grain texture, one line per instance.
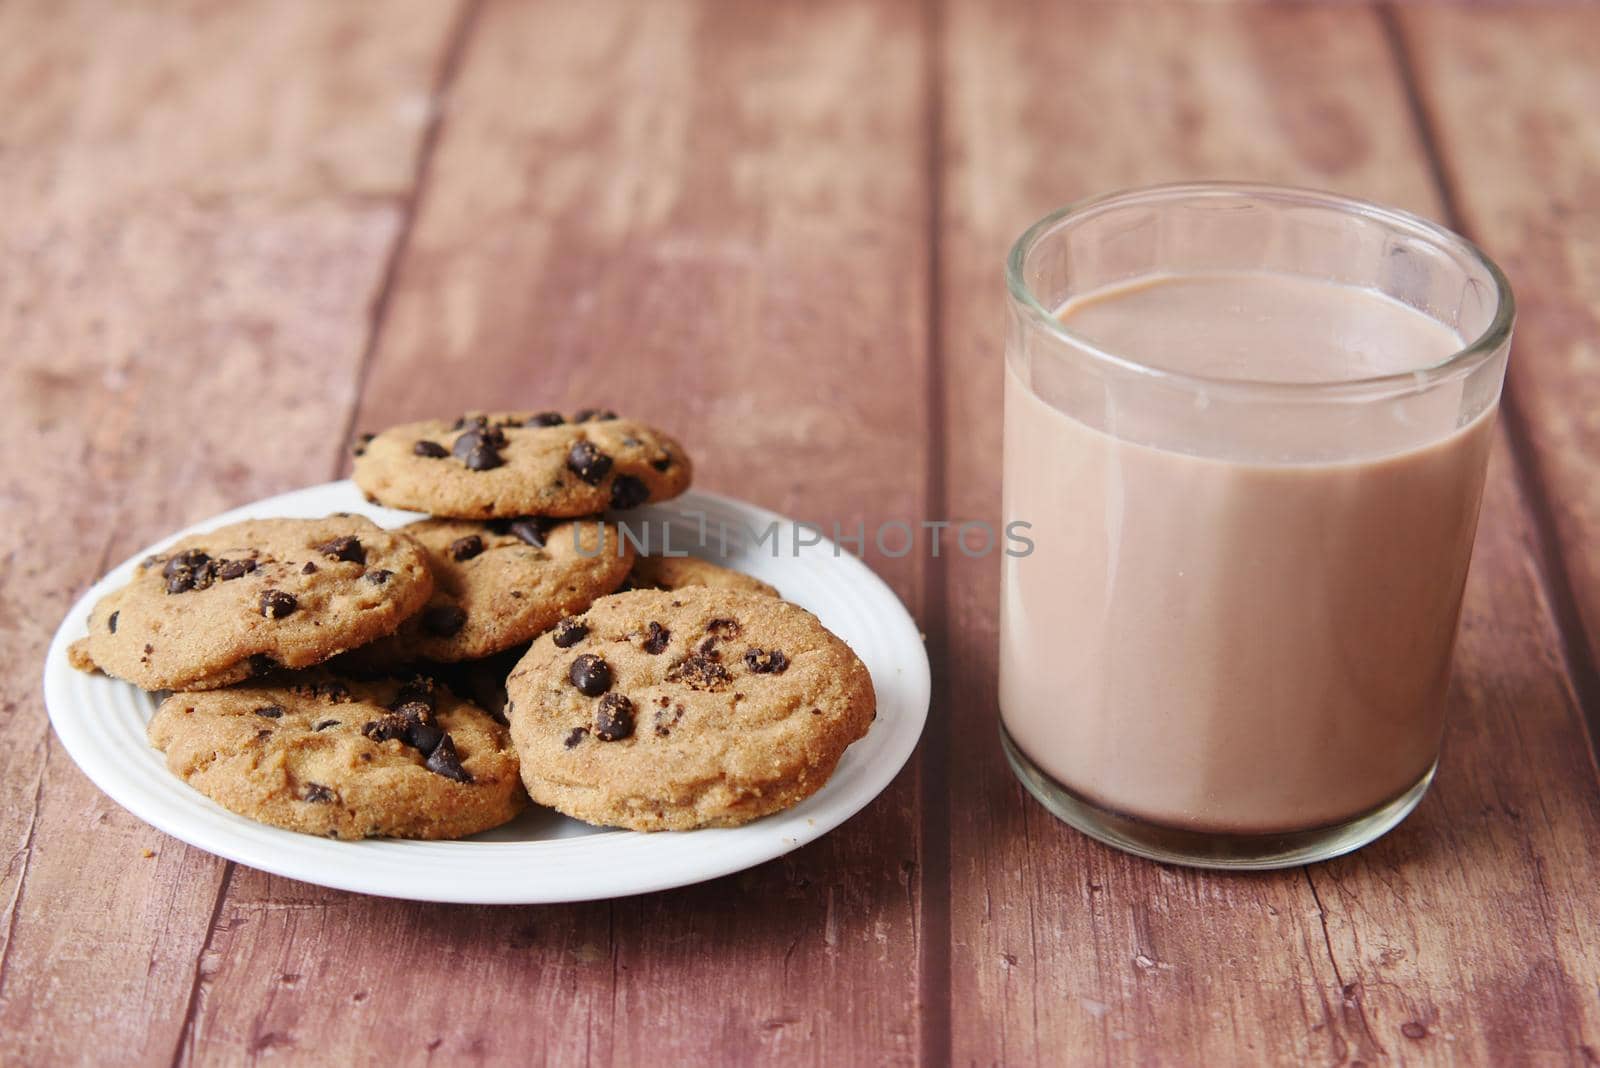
(227, 232)
(1065, 950)
(1512, 100)
(198, 203)
(712, 215)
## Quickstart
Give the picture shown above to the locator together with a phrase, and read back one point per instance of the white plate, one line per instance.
(542, 856)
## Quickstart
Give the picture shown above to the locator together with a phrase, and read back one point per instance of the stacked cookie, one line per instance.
(303, 653)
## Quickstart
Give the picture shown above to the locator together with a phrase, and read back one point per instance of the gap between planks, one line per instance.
(1554, 581)
(449, 67)
(934, 927)
(186, 1032)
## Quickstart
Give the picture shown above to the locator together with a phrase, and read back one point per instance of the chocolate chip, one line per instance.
(430, 449)
(189, 570)
(658, 638)
(379, 577)
(483, 437)
(569, 632)
(613, 720)
(699, 672)
(309, 569)
(443, 620)
(444, 761)
(325, 724)
(546, 419)
(332, 691)
(419, 689)
(594, 415)
(466, 548)
(662, 464)
(574, 737)
(111, 622)
(424, 737)
(586, 461)
(718, 630)
(232, 569)
(347, 548)
(270, 711)
(532, 531)
(628, 492)
(317, 793)
(414, 711)
(360, 447)
(590, 674)
(275, 604)
(479, 448)
(386, 728)
(765, 663)
(263, 734)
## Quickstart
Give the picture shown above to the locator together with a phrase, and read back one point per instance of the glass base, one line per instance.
(1237, 852)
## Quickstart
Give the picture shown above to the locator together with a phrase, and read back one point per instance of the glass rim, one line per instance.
(1458, 363)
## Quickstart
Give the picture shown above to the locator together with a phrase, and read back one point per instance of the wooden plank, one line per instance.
(1511, 98)
(714, 215)
(1510, 103)
(1063, 949)
(199, 206)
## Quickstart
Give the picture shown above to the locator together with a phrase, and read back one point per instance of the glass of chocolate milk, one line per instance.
(1248, 428)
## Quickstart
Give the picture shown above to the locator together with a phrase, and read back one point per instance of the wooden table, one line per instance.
(233, 235)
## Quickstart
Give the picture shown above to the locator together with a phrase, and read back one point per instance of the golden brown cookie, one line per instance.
(501, 583)
(216, 608)
(343, 758)
(676, 572)
(510, 464)
(700, 707)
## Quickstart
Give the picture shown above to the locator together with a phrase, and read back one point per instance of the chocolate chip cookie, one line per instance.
(216, 608)
(699, 707)
(500, 583)
(676, 572)
(334, 756)
(509, 464)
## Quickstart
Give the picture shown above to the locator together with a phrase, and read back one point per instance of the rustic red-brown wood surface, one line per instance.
(231, 235)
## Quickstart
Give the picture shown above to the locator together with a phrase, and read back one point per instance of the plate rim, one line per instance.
(197, 823)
